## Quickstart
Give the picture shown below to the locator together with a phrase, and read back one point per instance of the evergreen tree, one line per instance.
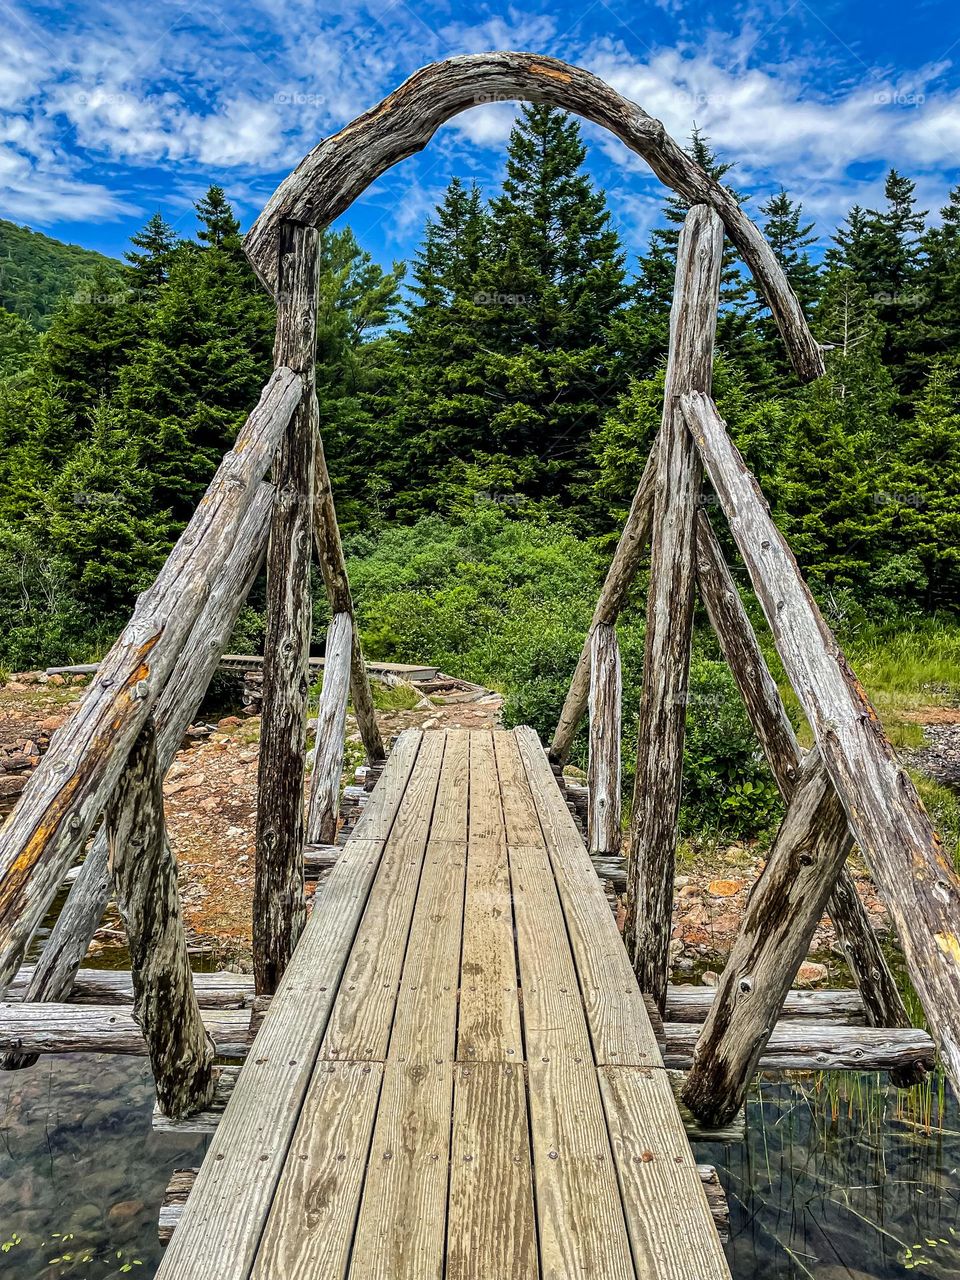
(789, 238)
(149, 269)
(218, 224)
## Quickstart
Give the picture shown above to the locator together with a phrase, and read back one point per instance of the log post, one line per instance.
(145, 877)
(603, 771)
(53, 976)
(895, 835)
(279, 910)
(70, 787)
(333, 566)
(331, 727)
(666, 659)
(882, 1002)
(782, 914)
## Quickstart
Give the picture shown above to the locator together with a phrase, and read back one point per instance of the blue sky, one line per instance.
(109, 111)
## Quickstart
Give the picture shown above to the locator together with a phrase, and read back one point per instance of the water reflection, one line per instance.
(841, 1177)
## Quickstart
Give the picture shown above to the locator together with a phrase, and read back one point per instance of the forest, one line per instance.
(486, 411)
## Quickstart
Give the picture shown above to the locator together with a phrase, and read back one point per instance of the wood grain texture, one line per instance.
(619, 1024)
(800, 1044)
(67, 791)
(363, 1014)
(230, 1204)
(50, 1027)
(692, 1004)
(666, 651)
(668, 1216)
(492, 1230)
(869, 966)
(327, 765)
(145, 878)
(782, 914)
(279, 906)
(906, 856)
(54, 975)
(327, 180)
(309, 1232)
(603, 769)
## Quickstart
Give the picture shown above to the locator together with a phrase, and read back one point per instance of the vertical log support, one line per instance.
(331, 727)
(145, 877)
(906, 856)
(882, 1001)
(279, 911)
(603, 771)
(666, 665)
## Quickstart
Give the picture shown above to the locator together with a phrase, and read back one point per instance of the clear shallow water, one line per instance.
(838, 1178)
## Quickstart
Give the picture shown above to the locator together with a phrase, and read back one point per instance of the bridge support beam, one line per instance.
(894, 832)
(666, 659)
(882, 1002)
(603, 772)
(145, 877)
(331, 726)
(279, 909)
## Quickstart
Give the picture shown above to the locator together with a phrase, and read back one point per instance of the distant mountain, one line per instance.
(35, 270)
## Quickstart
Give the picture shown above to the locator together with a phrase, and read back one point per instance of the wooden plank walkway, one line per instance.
(458, 1077)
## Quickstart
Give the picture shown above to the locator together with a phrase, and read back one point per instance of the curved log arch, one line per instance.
(334, 173)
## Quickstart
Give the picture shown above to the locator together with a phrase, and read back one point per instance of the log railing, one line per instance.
(603, 769)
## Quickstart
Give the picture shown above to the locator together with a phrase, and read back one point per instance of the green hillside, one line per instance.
(35, 270)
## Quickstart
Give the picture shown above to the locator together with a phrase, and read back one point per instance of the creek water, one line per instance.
(839, 1176)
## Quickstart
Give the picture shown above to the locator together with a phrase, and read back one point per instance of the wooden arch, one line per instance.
(337, 170)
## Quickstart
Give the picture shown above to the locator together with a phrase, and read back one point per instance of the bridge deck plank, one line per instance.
(429, 1122)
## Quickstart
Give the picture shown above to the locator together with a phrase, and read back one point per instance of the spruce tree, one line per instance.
(218, 224)
(149, 269)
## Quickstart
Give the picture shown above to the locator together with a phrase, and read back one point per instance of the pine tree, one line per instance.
(149, 269)
(789, 238)
(218, 224)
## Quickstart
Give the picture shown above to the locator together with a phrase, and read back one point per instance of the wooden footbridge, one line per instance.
(460, 1066)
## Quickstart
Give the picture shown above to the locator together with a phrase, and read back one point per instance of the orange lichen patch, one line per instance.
(541, 69)
(30, 855)
(724, 888)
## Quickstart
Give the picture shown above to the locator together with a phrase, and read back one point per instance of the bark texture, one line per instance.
(603, 772)
(666, 656)
(331, 727)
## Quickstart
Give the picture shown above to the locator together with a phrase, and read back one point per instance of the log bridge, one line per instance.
(457, 1066)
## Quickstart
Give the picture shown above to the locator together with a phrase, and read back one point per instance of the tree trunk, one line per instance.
(666, 658)
(882, 1001)
(904, 853)
(55, 971)
(279, 910)
(603, 775)
(145, 877)
(331, 728)
(71, 785)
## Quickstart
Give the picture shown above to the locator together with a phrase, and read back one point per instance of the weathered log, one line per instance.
(218, 990)
(54, 975)
(603, 772)
(333, 566)
(800, 1044)
(666, 655)
(613, 596)
(782, 915)
(327, 180)
(318, 858)
(692, 1004)
(145, 878)
(895, 835)
(68, 790)
(279, 910)
(78, 1028)
(877, 986)
(331, 730)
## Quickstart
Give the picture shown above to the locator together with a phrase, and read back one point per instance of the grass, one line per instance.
(399, 697)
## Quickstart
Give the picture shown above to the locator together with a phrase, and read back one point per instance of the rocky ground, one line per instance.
(210, 800)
